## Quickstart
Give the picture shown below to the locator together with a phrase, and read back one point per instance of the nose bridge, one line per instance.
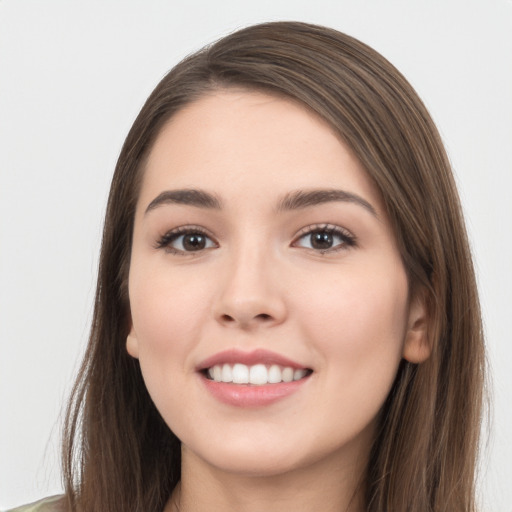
(250, 292)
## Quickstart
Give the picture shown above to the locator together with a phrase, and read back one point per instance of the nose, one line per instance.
(250, 293)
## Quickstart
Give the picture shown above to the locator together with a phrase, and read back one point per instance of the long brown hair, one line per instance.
(120, 455)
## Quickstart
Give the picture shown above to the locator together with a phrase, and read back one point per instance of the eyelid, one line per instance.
(164, 241)
(349, 240)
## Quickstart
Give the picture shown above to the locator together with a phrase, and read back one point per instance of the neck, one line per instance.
(325, 486)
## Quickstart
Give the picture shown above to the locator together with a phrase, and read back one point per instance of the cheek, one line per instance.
(358, 308)
(163, 302)
(357, 330)
(358, 324)
(168, 313)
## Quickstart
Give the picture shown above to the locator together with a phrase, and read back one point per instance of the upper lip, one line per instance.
(259, 356)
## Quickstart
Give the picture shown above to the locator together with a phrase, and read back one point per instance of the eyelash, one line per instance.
(165, 241)
(348, 240)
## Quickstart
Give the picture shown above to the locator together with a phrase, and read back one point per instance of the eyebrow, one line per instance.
(291, 201)
(191, 197)
(306, 198)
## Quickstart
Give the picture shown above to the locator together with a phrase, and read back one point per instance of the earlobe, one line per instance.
(132, 344)
(417, 346)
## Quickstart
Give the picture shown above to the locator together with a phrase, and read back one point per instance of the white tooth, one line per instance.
(210, 373)
(240, 374)
(274, 374)
(258, 374)
(217, 373)
(298, 374)
(227, 373)
(287, 374)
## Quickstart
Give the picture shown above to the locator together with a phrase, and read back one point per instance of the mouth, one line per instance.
(252, 379)
(256, 375)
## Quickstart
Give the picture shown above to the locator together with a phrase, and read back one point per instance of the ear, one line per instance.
(132, 343)
(417, 347)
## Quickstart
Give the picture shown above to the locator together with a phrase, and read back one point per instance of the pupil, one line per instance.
(194, 242)
(321, 240)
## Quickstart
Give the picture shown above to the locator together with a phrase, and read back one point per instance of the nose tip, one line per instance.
(249, 299)
(250, 288)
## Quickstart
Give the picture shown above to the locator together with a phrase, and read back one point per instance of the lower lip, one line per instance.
(246, 395)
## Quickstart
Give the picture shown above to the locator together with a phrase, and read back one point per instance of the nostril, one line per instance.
(228, 319)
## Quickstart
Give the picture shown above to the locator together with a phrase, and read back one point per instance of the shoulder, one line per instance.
(51, 504)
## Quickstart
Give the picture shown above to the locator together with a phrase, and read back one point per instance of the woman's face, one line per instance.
(262, 252)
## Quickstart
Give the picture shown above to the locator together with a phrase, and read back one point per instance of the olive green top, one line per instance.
(51, 504)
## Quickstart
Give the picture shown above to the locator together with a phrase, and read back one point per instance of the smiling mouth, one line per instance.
(256, 375)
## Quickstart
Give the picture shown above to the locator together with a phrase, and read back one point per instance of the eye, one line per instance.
(185, 240)
(325, 238)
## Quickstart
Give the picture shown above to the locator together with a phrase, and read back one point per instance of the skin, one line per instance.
(345, 313)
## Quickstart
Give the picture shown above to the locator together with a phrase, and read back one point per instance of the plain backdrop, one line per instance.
(73, 76)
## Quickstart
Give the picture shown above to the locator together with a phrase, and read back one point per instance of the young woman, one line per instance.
(286, 315)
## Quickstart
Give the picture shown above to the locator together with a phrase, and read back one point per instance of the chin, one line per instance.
(253, 463)
(260, 454)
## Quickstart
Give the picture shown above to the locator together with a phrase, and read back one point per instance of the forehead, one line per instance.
(251, 143)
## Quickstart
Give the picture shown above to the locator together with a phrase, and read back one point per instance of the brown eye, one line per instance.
(321, 240)
(326, 239)
(193, 242)
(185, 241)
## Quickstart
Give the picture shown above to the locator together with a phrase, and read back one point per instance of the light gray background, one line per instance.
(73, 76)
